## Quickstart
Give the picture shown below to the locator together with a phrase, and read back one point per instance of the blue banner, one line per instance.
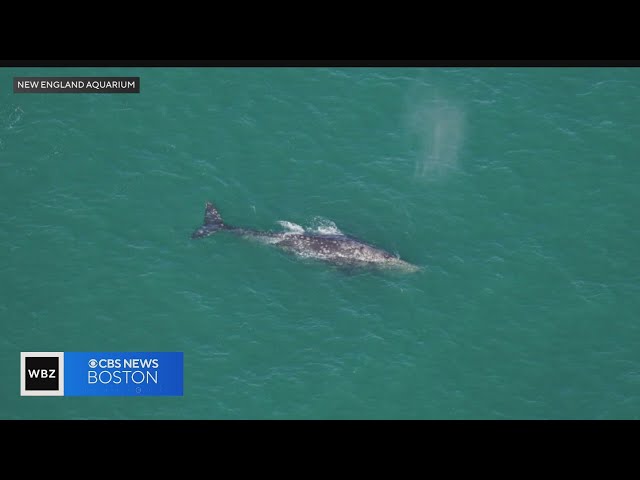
(134, 374)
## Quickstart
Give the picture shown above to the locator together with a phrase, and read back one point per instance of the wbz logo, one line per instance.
(41, 373)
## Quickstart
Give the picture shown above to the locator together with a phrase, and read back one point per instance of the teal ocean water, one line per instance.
(517, 190)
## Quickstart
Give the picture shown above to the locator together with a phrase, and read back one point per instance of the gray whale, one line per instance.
(342, 250)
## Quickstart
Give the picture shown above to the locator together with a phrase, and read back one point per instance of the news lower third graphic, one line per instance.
(101, 374)
(76, 84)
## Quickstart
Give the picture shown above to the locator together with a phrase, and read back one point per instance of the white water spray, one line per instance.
(439, 125)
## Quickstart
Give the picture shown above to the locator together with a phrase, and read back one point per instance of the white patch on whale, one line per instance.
(324, 226)
(291, 227)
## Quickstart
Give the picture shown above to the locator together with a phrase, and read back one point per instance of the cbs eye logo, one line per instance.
(41, 373)
(93, 363)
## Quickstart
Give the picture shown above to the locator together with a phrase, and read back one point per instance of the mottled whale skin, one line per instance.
(342, 250)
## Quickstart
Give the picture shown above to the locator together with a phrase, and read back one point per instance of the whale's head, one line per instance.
(397, 264)
(388, 261)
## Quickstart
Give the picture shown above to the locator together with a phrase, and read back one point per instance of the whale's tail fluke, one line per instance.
(212, 222)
